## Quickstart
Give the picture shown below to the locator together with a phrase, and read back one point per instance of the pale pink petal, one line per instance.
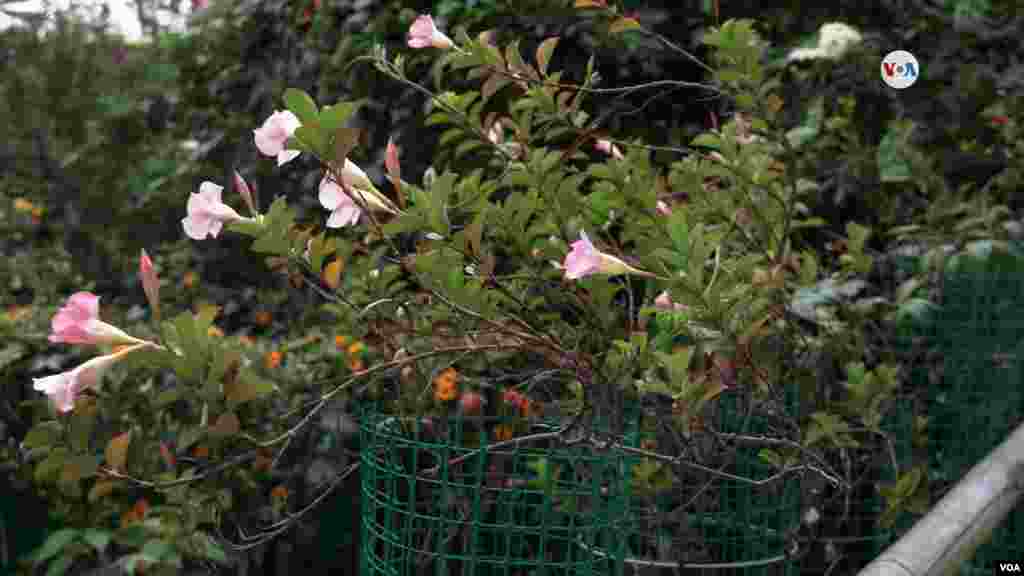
(344, 216)
(273, 135)
(63, 388)
(423, 33)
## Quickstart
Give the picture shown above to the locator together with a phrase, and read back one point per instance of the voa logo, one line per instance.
(1009, 567)
(900, 69)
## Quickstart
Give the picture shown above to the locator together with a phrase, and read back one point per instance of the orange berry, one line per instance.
(356, 347)
(246, 339)
(201, 452)
(279, 492)
(141, 508)
(214, 331)
(272, 360)
(446, 385)
(190, 280)
(340, 341)
(263, 318)
(356, 365)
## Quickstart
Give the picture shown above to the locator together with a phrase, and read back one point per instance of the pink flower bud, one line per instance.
(663, 208)
(206, 213)
(423, 33)
(150, 283)
(78, 323)
(607, 147)
(243, 189)
(664, 301)
(272, 137)
(392, 165)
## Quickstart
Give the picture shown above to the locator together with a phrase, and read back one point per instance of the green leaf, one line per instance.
(43, 434)
(334, 117)
(544, 53)
(98, 539)
(246, 387)
(79, 467)
(622, 25)
(55, 544)
(343, 141)
(892, 165)
(772, 457)
(708, 140)
(301, 104)
(439, 194)
(277, 224)
(679, 232)
(312, 139)
(157, 549)
(210, 549)
(132, 536)
(47, 469)
(60, 566)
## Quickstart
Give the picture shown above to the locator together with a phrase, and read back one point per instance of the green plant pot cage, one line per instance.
(437, 500)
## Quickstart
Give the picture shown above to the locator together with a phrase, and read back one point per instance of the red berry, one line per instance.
(471, 403)
(512, 398)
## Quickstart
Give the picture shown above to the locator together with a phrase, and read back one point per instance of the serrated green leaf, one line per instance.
(301, 104)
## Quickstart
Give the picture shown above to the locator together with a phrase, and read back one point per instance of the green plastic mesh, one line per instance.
(542, 508)
(978, 400)
(714, 523)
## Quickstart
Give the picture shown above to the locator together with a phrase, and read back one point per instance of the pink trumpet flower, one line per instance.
(63, 388)
(206, 213)
(423, 33)
(78, 322)
(272, 137)
(585, 259)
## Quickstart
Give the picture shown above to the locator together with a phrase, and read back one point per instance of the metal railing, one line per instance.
(949, 534)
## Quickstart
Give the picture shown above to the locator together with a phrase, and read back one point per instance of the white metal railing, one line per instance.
(949, 534)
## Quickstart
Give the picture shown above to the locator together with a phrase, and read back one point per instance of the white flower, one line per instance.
(834, 40)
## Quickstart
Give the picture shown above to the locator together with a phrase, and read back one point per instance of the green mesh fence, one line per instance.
(707, 522)
(978, 399)
(433, 503)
